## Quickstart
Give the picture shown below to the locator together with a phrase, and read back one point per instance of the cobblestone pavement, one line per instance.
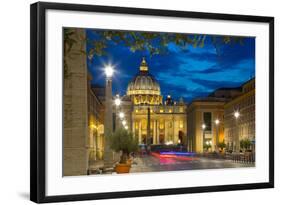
(153, 164)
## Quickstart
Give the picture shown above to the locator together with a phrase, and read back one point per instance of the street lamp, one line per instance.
(236, 115)
(124, 122)
(121, 115)
(117, 101)
(108, 125)
(217, 122)
(108, 71)
(203, 128)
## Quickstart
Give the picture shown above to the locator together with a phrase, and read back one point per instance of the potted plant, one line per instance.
(221, 145)
(245, 144)
(206, 147)
(122, 140)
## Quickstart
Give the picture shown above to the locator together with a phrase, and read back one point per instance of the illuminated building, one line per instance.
(202, 127)
(206, 119)
(95, 124)
(150, 120)
(240, 118)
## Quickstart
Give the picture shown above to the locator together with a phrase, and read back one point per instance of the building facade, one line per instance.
(95, 140)
(206, 119)
(240, 118)
(205, 124)
(151, 120)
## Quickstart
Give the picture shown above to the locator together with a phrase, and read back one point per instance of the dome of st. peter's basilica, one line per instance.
(144, 88)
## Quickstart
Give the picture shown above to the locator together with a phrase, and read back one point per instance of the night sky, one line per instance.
(188, 73)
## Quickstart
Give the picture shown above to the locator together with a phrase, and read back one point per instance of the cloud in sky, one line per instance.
(189, 73)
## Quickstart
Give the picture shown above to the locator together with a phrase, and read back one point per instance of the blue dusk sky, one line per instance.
(188, 73)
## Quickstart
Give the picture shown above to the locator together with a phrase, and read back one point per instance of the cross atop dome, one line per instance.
(143, 65)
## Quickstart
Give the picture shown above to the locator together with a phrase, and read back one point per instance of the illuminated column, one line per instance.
(166, 130)
(148, 137)
(133, 128)
(157, 133)
(140, 142)
(154, 132)
(108, 124)
(175, 131)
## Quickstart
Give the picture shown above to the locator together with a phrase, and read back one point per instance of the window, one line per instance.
(207, 119)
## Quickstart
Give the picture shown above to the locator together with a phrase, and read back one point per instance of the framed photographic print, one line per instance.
(129, 102)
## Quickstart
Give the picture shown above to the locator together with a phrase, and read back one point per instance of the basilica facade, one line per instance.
(151, 118)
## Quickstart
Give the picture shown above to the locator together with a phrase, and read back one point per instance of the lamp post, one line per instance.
(124, 123)
(236, 116)
(217, 122)
(108, 124)
(203, 128)
(117, 101)
(121, 115)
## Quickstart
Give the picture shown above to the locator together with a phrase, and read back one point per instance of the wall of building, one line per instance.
(196, 134)
(95, 142)
(242, 127)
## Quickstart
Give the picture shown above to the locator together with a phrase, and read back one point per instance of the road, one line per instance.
(153, 164)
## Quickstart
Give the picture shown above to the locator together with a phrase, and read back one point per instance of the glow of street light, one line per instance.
(117, 101)
(121, 115)
(236, 114)
(203, 126)
(108, 71)
(124, 122)
(217, 121)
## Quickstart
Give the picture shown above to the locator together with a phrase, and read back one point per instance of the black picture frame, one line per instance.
(38, 101)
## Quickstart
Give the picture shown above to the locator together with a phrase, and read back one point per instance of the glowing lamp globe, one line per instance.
(203, 126)
(108, 71)
(236, 114)
(117, 101)
(217, 121)
(124, 122)
(121, 115)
